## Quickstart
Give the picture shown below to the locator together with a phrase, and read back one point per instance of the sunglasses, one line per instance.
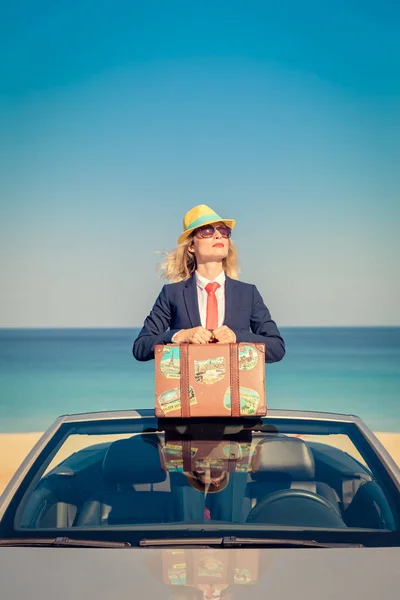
(207, 231)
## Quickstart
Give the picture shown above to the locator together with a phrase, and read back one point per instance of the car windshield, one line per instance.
(271, 475)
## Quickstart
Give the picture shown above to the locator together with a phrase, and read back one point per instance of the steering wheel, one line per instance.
(300, 508)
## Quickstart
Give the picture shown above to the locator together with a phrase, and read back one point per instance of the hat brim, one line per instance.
(229, 222)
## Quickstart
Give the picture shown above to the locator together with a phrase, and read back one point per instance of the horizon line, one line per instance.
(126, 327)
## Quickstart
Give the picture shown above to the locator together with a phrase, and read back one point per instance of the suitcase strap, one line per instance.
(234, 380)
(184, 388)
(235, 394)
(187, 455)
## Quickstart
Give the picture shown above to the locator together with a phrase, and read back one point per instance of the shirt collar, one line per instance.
(203, 281)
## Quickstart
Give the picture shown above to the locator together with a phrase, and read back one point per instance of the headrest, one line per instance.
(285, 456)
(133, 460)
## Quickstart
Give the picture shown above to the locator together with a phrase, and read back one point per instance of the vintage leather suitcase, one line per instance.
(210, 380)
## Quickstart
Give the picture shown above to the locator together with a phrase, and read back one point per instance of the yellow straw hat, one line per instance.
(197, 217)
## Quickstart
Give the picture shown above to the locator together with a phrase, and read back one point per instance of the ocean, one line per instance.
(45, 373)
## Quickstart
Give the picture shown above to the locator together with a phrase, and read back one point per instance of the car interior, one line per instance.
(297, 483)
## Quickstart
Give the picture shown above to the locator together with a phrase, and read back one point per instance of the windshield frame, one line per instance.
(385, 478)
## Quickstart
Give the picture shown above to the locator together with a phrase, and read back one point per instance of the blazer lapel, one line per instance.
(229, 300)
(191, 301)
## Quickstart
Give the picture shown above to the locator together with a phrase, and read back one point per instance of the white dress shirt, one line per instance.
(202, 296)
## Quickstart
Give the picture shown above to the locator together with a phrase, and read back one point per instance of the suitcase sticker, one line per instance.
(242, 576)
(210, 566)
(171, 399)
(170, 364)
(209, 371)
(249, 400)
(177, 570)
(248, 358)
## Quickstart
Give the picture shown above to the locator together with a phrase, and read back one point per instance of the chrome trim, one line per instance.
(149, 413)
(307, 415)
(102, 416)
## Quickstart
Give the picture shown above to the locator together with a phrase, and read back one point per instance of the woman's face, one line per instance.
(213, 249)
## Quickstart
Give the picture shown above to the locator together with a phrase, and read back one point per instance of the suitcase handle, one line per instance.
(213, 339)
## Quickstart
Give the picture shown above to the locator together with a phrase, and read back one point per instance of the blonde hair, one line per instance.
(180, 264)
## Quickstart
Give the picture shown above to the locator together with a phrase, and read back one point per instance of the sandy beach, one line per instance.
(13, 449)
(15, 446)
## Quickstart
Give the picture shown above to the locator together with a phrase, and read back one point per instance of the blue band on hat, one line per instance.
(202, 219)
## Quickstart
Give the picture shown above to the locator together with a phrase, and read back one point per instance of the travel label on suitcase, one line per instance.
(210, 380)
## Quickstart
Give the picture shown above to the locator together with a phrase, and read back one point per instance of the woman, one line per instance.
(205, 301)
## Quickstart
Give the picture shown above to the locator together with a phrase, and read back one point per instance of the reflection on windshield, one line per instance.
(245, 477)
(208, 574)
(213, 572)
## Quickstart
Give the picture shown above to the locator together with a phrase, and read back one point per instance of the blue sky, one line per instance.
(116, 118)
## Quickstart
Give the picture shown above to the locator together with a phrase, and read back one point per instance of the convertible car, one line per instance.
(115, 503)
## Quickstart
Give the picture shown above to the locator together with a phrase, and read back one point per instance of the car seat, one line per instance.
(286, 463)
(141, 492)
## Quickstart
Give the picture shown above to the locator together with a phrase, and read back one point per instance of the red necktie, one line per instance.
(212, 306)
(207, 514)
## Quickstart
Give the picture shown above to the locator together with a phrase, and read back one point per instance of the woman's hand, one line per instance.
(224, 335)
(197, 335)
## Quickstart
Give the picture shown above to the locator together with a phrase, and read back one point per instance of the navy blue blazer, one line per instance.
(177, 308)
